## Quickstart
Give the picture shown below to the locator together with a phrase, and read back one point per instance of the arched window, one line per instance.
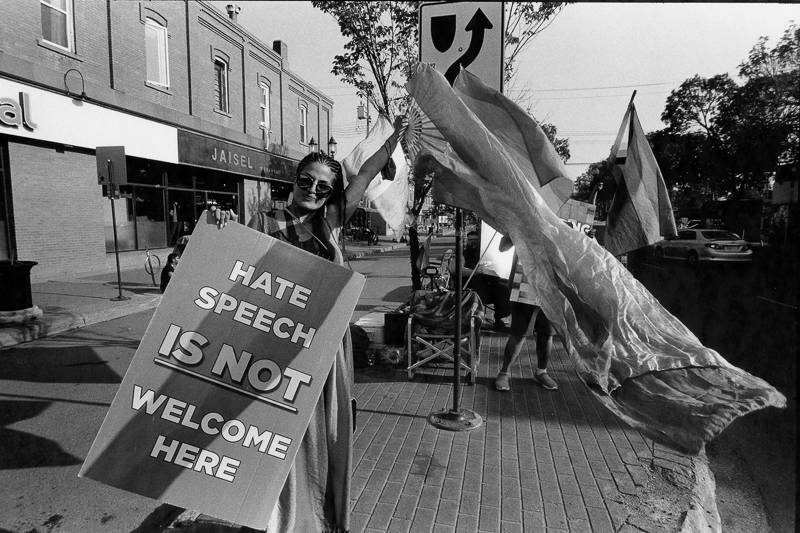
(265, 107)
(303, 123)
(221, 85)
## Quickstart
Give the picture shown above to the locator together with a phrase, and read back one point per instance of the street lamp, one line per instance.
(312, 145)
(332, 147)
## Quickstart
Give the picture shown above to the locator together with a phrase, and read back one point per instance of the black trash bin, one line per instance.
(15, 285)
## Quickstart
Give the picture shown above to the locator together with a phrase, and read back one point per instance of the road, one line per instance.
(748, 313)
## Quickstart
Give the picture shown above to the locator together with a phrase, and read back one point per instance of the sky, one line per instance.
(578, 74)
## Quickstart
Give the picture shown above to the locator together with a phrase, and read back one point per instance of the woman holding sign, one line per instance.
(316, 495)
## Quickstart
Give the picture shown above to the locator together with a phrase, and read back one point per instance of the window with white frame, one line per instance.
(265, 109)
(156, 54)
(303, 123)
(57, 26)
(221, 84)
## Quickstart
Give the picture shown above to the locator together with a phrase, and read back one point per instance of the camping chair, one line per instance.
(439, 272)
(431, 328)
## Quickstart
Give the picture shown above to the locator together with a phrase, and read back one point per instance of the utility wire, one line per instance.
(594, 88)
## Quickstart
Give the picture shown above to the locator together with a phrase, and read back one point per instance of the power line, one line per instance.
(593, 88)
(596, 96)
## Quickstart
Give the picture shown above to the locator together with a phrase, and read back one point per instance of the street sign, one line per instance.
(468, 34)
(118, 170)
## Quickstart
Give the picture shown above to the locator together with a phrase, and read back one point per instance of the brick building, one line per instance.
(206, 112)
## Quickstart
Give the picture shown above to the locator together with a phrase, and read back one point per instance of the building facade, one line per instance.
(205, 113)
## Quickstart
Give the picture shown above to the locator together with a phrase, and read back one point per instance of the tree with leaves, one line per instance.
(744, 131)
(724, 140)
(524, 21)
(383, 52)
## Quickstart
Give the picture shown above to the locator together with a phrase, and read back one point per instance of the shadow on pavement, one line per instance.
(23, 450)
(78, 364)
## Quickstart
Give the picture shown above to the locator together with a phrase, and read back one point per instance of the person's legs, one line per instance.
(501, 298)
(544, 345)
(521, 323)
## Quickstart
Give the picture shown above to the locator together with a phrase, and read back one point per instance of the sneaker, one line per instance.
(501, 383)
(543, 379)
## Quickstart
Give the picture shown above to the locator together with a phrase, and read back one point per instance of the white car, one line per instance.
(693, 245)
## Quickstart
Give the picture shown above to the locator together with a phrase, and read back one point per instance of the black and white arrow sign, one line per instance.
(463, 34)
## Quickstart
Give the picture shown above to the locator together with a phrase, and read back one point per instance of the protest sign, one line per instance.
(215, 403)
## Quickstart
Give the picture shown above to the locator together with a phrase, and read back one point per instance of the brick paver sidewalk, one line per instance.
(543, 461)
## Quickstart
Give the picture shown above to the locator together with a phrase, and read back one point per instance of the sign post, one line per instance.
(112, 172)
(453, 35)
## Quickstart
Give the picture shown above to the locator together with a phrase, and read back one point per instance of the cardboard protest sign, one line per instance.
(216, 401)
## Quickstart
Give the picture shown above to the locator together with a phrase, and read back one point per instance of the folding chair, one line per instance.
(430, 330)
(439, 272)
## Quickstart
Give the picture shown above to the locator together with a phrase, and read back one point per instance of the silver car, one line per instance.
(695, 245)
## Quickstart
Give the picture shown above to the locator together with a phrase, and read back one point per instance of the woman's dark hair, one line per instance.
(331, 163)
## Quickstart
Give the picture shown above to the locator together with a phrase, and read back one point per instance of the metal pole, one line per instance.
(457, 419)
(457, 337)
(111, 190)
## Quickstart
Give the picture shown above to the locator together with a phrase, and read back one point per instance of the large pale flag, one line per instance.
(523, 139)
(641, 212)
(640, 361)
(390, 198)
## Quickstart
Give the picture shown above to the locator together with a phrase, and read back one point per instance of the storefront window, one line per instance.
(150, 227)
(126, 229)
(162, 202)
(181, 214)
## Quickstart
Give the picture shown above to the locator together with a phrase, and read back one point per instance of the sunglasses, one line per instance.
(305, 182)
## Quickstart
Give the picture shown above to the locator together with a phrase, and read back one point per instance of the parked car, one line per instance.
(696, 245)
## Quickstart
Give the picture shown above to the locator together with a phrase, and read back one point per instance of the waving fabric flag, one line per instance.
(640, 213)
(524, 140)
(390, 198)
(640, 361)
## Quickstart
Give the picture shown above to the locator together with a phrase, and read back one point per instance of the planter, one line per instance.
(15, 285)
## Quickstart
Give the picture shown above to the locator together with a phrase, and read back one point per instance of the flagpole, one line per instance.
(457, 419)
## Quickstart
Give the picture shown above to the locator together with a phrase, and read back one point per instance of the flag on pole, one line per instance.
(641, 212)
(641, 362)
(390, 198)
(524, 140)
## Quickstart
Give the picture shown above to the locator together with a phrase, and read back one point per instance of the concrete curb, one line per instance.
(378, 249)
(59, 322)
(702, 515)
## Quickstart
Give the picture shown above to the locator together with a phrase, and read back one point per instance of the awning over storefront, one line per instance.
(207, 152)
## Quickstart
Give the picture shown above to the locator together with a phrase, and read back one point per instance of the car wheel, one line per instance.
(692, 258)
(659, 253)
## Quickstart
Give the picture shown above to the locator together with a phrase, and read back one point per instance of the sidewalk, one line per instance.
(544, 461)
(78, 302)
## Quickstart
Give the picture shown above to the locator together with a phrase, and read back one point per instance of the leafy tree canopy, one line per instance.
(726, 139)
